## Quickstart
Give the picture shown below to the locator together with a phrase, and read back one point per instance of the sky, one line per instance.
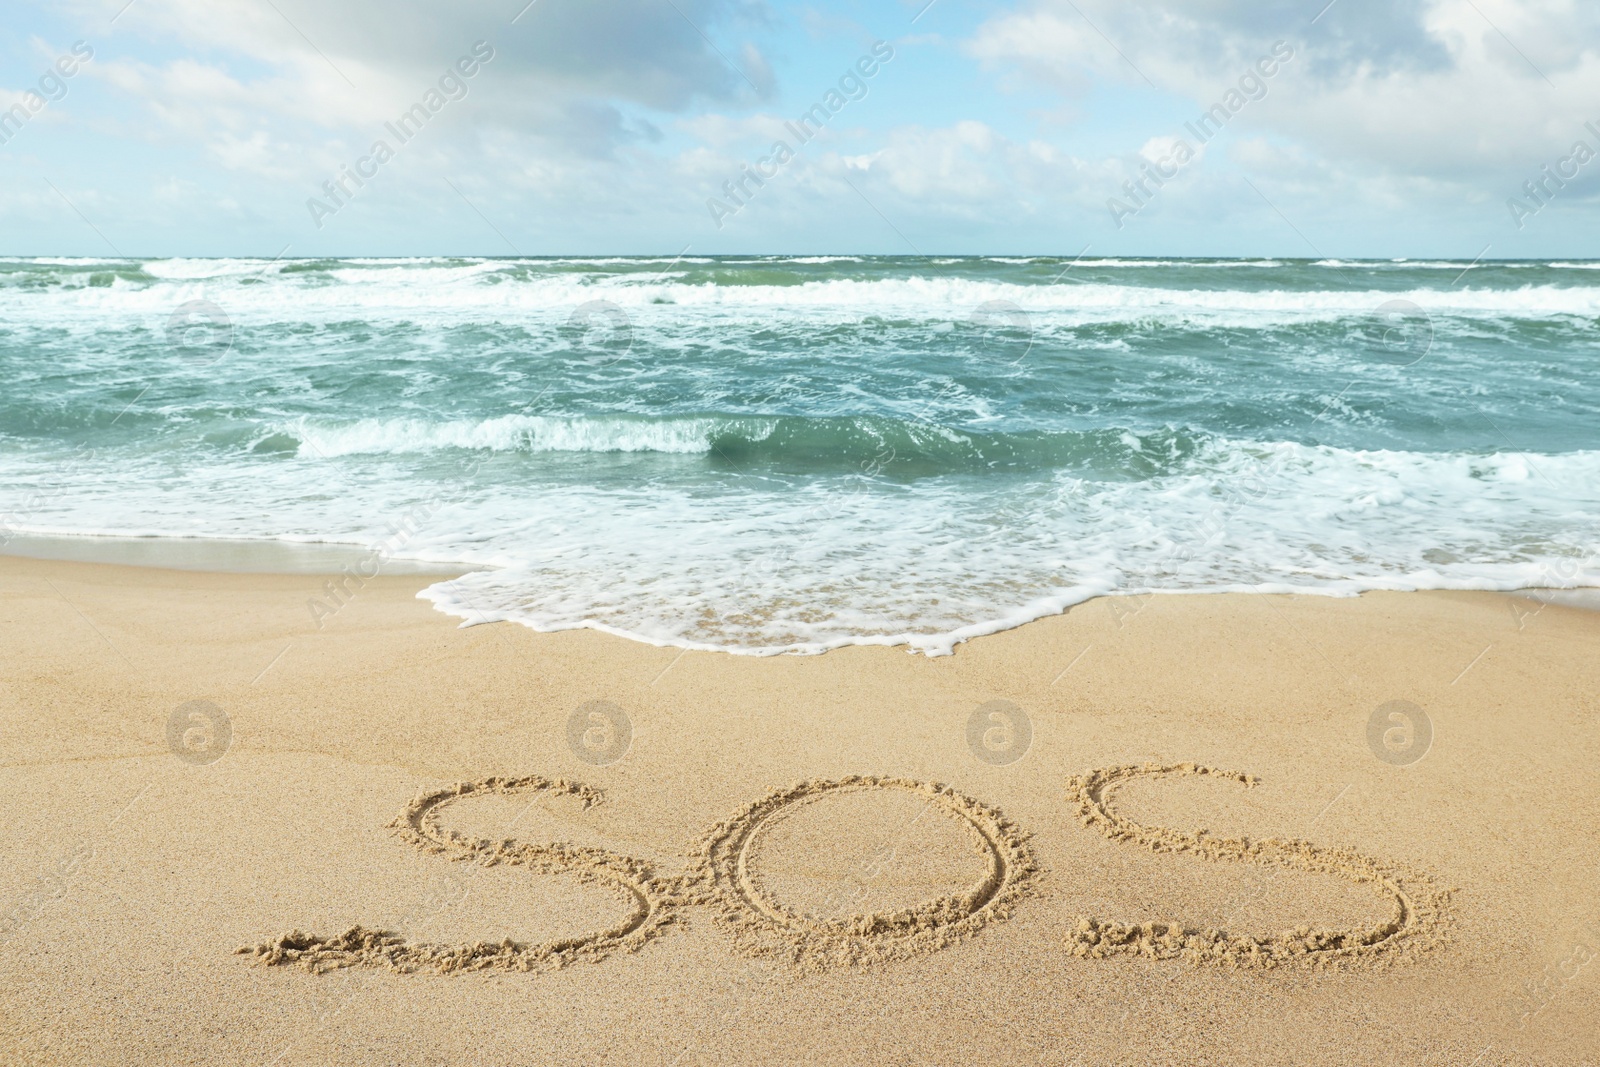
(1360, 128)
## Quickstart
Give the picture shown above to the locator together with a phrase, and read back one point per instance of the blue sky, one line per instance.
(608, 126)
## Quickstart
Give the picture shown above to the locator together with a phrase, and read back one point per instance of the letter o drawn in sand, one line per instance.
(652, 901)
(199, 732)
(599, 732)
(999, 732)
(762, 926)
(1399, 732)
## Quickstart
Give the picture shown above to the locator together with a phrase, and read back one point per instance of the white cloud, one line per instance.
(722, 131)
(1422, 88)
(558, 73)
(966, 170)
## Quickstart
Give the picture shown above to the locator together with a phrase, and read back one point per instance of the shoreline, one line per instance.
(215, 555)
(274, 556)
(195, 768)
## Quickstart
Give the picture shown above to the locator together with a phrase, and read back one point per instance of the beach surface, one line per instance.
(862, 857)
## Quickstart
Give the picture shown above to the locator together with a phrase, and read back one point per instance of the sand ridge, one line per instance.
(1419, 908)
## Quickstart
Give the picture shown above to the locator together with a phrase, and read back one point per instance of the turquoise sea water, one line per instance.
(793, 453)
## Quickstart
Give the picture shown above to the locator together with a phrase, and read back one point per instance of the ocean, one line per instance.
(790, 454)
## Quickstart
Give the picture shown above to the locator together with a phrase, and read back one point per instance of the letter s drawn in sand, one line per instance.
(652, 901)
(1418, 908)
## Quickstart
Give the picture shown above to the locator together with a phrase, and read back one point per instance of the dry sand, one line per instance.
(491, 846)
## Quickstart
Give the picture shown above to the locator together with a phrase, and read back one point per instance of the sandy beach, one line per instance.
(859, 857)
